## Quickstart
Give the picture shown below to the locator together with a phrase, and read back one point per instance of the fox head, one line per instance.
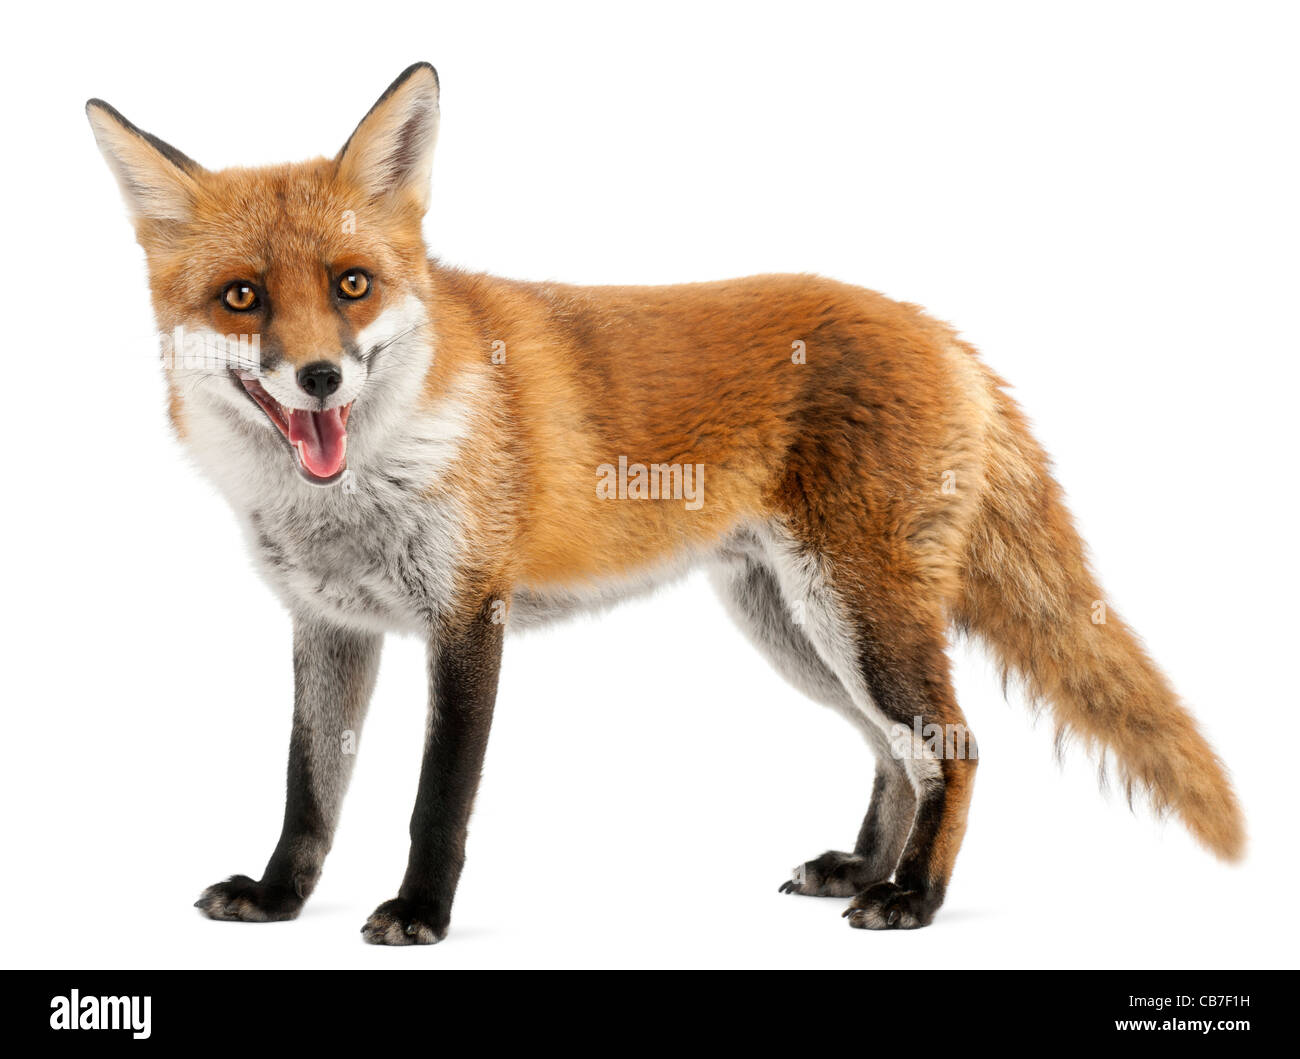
(292, 297)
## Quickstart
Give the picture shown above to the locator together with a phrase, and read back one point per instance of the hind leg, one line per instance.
(880, 842)
(752, 594)
(908, 678)
(885, 639)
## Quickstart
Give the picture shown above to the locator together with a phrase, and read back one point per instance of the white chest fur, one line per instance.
(379, 556)
(380, 550)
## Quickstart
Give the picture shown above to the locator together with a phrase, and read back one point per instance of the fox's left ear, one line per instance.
(157, 181)
(391, 151)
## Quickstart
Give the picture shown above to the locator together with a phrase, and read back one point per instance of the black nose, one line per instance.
(320, 379)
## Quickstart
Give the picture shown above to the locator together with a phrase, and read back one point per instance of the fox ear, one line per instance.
(391, 151)
(157, 181)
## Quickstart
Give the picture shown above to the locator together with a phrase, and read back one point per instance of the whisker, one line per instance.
(388, 343)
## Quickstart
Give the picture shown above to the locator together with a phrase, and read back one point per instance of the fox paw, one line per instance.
(887, 906)
(245, 900)
(830, 875)
(403, 922)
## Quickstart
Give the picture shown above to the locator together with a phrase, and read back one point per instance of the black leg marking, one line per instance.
(334, 674)
(884, 829)
(908, 679)
(463, 670)
(880, 841)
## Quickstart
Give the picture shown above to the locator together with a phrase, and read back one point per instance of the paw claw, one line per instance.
(402, 922)
(831, 875)
(887, 906)
(241, 899)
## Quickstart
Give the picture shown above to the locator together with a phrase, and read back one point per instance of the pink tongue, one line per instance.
(323, 438)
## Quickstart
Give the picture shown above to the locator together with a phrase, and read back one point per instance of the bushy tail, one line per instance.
(1029, 594)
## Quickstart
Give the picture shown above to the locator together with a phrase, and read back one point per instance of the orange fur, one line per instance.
(853, 445)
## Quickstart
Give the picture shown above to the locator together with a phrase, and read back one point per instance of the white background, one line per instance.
(1103, 199)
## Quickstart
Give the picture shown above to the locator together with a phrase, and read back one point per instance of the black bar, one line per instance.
(630, 1009)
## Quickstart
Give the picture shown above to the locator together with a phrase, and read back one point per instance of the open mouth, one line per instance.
(319, 439)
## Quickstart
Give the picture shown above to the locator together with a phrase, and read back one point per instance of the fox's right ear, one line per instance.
(157, 181)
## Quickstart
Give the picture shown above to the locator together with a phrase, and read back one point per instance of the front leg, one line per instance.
(334, 674)
(464, 660)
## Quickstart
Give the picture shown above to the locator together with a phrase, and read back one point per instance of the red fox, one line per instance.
(417, 449)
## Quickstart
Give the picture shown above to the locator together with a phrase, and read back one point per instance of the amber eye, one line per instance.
(354, 284)
(240, 297)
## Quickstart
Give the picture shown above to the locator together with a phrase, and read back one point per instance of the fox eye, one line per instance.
(240, 297)
(354, 284)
